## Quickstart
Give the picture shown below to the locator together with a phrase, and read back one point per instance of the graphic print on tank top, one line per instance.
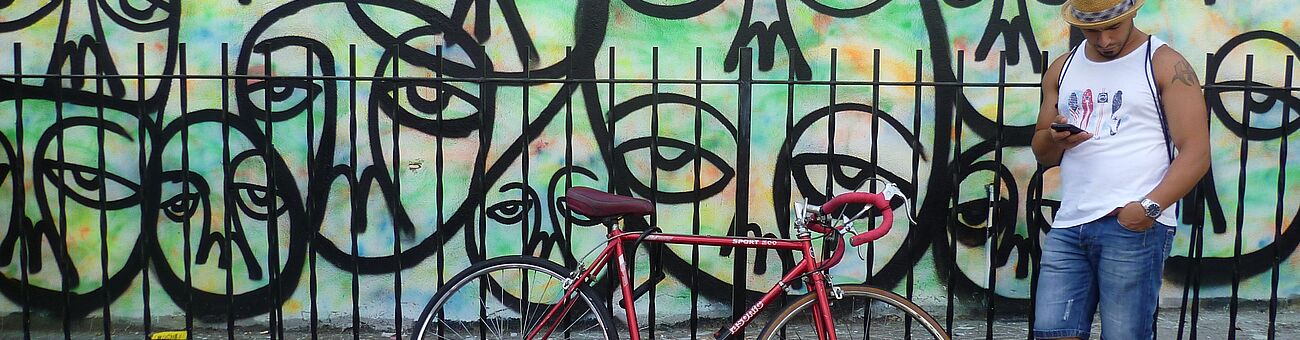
(1097, 111)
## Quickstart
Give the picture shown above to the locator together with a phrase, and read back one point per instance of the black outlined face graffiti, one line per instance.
(94, 37)
(862, 143)
(81, 199)
(223, 216)
(405, 121)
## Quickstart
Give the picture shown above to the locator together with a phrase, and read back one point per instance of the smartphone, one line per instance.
(1066, 127)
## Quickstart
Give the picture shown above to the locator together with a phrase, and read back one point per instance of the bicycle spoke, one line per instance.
(516, 295)
(863, 312)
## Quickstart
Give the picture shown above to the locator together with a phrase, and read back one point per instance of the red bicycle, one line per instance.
(526, 297)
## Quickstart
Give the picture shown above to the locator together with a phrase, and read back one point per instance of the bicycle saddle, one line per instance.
(599, 204)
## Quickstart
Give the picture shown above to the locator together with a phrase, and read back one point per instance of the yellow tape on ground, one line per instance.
(170, 335)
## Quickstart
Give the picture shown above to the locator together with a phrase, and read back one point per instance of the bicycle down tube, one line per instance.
(808, 266)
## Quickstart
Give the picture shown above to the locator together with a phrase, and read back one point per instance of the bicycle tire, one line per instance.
(853, 319)
(464, 308)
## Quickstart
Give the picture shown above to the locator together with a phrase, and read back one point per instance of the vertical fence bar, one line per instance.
(310, 201)
(1033, 230)
(875, 151)
(1194, 250)
(225, 183)
(695, 186)
(1241, 197)
(997, 196)
(140, 141)
(523, 159)
(523, 173)
(874, 157)
(272, 229)
(188, 300)
(830, 143)
(654, 176)
(916, 166)
(950, 230)
(480, 172)
(829, 183)
(568, 146)
(438, 165)
(1281, 197)
(18, 188)
(744, 100)
(65, 286)
(1198, 242)
(789, 126)
(103, 203)
(609, 121)
(397, 187)
(356, 201)
(1191, 296)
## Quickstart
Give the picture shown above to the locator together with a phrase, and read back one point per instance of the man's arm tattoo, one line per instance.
(1184, 73)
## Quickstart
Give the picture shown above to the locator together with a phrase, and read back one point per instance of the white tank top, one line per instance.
(1128, 154)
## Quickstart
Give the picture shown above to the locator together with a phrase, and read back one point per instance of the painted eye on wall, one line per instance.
(809, 171)
(256, 201)
(1273, 112)
(674, 162)
(139, 14)
(85, 184)
(288, 97)
(435, 108)
(19, 14)
(973, 206)
(1264, 106)
(286, 94)
(182, 194)
(180, 207)
(515, 209)
(508, 212)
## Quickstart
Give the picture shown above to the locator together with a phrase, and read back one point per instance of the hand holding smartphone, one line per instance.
(1066, 127)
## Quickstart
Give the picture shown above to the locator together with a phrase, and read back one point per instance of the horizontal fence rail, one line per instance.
(288, 198)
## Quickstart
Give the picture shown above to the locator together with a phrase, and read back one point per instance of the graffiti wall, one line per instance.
(357, 158)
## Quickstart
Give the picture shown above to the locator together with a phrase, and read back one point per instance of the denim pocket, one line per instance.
(1126, 228)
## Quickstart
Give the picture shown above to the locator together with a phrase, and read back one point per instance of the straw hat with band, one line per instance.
(1086, 14)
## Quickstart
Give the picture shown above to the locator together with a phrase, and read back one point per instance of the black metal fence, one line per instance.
(40, 234)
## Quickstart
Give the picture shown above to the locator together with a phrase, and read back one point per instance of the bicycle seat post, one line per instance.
(612, 222)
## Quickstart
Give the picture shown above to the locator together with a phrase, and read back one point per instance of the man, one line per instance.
(1141, 144)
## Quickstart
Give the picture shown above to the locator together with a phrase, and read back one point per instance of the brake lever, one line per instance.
(890, 191)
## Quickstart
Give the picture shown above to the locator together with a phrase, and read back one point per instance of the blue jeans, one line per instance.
(1100, 261)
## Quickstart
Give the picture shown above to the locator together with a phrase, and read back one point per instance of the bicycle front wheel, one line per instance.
(509, 297)
(864, 312)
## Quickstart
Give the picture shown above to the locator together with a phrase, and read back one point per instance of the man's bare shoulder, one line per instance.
(1172, 69)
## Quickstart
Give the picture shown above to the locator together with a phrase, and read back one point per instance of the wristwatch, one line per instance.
(1151, 208)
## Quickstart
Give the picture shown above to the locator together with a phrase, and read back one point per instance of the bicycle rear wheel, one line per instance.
(506, 297)
(864, 312)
